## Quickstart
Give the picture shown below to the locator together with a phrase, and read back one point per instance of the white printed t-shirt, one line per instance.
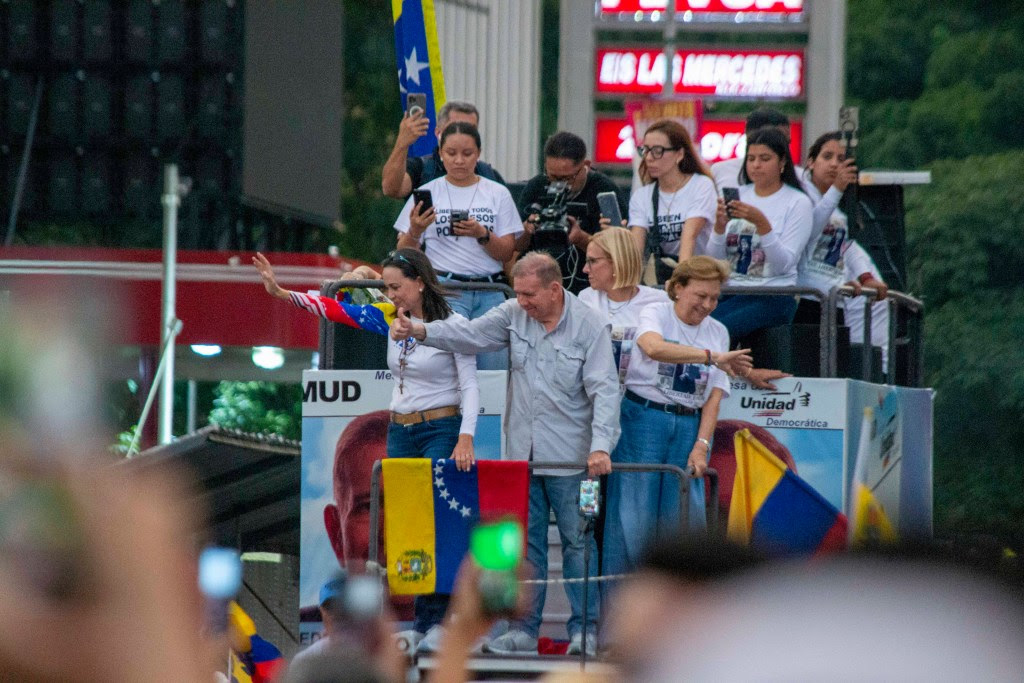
(695, 199)
(688, 384)
(822, 264)
(624, 317)
(770, 260)
(487, 201)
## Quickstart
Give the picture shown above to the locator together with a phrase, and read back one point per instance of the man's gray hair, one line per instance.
(460, 106)
(539, 263)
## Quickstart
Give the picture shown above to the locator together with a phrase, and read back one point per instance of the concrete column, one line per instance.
(576, 69)
(825, 67)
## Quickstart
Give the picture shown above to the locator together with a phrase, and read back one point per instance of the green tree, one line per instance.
(259, 407)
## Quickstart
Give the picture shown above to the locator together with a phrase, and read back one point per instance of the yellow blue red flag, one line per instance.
(774, 510)
(418, 57)
(870, 525)
(430, 508)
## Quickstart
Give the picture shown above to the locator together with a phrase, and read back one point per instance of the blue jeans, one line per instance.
(472, 305)
(746, 313)
(433, 439)
(643, 506)
(560, 494)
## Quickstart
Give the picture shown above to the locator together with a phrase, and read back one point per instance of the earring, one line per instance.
(421, 290)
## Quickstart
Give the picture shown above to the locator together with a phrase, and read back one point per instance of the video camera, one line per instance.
(553, 216)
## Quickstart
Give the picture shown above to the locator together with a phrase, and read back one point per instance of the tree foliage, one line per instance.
(259, 407)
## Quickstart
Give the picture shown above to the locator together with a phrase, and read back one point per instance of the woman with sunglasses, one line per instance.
(763, 235)
(474, 247)
(671, 216)
(435, 400)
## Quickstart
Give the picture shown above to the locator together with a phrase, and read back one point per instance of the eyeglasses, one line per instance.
(567, 179)
(395, 256)
(592, 260)
(656, 151)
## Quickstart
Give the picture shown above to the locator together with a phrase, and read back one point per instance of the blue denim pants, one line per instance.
(746, 313)
(472, 305)
(433, 439)
(642, 506)
(560, 494)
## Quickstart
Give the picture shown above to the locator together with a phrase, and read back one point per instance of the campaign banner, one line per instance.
(717, 139)
(344, 432)
(706, 72)
(814, 426)
(773, 8)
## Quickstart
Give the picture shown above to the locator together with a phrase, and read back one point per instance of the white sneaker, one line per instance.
(576, 645)
(431, 641)
(407, 641)
(514, 642)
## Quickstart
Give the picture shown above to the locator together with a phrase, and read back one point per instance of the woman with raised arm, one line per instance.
(436, 399)
(468, 232)
(674, 212)
(763, 235)
(831, 258)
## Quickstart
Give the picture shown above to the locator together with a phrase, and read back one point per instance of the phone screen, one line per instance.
(497, 545)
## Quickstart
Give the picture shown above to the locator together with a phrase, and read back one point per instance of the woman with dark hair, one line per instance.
(671, 215)
(470, 229)
(833, 259)
(768, 226)
(436, 399)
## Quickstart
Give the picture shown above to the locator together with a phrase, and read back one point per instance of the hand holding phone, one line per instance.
(730, 194)
(424, 199)
(416, 103)
(609, 205)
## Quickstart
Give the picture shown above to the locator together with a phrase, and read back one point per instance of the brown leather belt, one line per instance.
(406, 419)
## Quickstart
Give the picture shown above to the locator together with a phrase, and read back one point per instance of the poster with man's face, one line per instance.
(344, 432)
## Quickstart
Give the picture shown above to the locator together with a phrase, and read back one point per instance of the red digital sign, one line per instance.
(706, 72)
(783, 7)
(719, 139)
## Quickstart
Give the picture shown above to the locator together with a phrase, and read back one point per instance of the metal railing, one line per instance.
(906, 331)
(331, 289)
(682, 475)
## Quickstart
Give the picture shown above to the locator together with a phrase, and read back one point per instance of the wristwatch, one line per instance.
(485, 239)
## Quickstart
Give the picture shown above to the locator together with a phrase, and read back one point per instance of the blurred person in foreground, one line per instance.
(895, 615)
(565, 161)
(562, 407)
(401, 175)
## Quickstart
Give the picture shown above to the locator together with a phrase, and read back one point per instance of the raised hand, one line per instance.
(267, 275)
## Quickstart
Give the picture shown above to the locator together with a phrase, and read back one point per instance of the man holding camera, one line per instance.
(401, 175)
(566, 240)
(563, 406)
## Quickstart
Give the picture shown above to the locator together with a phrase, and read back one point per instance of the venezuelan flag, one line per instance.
(776, 511)
(253, 659)
(870, 525)
(418, 57)
(430, 508)
(375, 317)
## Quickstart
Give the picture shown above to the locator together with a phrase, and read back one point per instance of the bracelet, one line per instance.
(485, 239)
(863, 278)
(705, 442)
(707, 353)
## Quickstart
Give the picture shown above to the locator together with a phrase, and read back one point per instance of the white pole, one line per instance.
(826, 67)
(171, 199)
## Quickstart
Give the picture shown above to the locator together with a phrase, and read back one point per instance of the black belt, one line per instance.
(498, 278)
(673, 408)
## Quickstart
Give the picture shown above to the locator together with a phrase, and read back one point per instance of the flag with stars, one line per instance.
(430, 508)
(418, 57)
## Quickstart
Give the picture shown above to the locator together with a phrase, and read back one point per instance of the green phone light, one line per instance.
(497, 546)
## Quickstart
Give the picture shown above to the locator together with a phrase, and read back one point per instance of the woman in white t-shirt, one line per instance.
(763, 236)
(680, 188)
(831, 258)
(669, 411)
(435, 400)
(474, 248)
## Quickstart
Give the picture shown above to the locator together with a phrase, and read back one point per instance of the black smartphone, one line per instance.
(730, 194)
(424, 198)
(609, 204)
(416, 103)
(459, 216)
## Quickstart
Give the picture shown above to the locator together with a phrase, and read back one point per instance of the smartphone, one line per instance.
(416, 103)
(590, 496)
(609, 203)
(458, 216)
(220, 579)
(497, 548)
(730, 194)
(422, 197)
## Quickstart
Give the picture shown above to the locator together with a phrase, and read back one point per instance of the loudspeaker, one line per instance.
(881, 231)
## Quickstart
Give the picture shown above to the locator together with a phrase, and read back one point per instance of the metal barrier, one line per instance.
(909, 335)
(327, 328)
(684, 496)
